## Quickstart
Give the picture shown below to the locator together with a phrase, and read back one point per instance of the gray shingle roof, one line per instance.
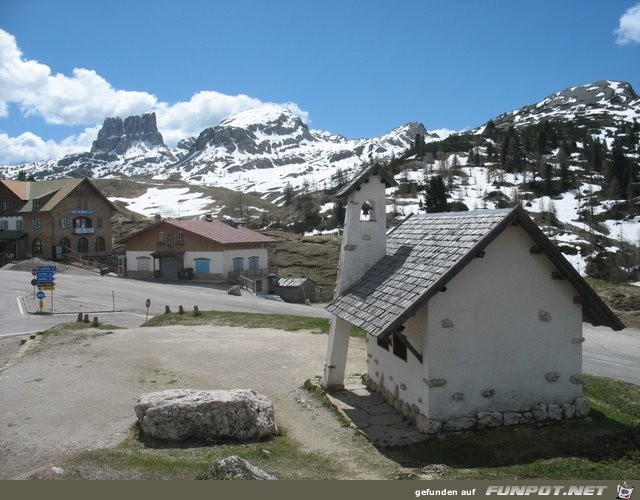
(362, 176)
(426, 251)
(292, 282)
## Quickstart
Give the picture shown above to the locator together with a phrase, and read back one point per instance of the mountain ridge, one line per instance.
(266, 148)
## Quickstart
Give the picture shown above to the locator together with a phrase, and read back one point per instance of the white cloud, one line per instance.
(204, 109)
(629, 30)
(29, 147)
(86, 98)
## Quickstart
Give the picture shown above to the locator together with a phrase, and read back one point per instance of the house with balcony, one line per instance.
(53, 219)
(215, 250)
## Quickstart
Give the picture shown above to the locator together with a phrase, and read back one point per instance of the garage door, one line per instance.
(169, 268)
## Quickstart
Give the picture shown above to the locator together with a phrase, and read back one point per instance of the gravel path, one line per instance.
(74, 392)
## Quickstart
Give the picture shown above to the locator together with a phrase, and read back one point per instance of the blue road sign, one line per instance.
(47, 278)
(40, 295)
(46, 269)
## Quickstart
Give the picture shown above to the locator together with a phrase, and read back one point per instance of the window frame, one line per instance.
(36, 246)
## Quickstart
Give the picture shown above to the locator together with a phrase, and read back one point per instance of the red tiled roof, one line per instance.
(217, 230)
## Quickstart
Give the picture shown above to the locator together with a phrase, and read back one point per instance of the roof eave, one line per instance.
(594, 308)
(354, 184)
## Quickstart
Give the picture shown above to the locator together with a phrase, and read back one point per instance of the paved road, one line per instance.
(605, 352)
(82, 291)
(612, 354)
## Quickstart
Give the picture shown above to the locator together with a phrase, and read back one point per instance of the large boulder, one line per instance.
(182, 414)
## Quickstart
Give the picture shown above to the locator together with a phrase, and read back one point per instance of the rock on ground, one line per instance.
(234, 468)
(182, 414)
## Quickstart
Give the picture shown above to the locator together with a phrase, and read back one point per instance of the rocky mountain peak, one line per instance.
(593, 94)
(601, 103)
(117, 135)
(256, 131)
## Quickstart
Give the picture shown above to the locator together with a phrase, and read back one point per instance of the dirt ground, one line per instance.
(74, 392)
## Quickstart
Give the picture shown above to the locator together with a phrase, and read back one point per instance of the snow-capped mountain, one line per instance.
(263, 149)
(598, 106)
(259, 150)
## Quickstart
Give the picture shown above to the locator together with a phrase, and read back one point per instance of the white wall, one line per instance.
(221, 262)
(383, 366)
(132, 259)
(216, 260)
(229, 255)
(497, 340)
(367, 238)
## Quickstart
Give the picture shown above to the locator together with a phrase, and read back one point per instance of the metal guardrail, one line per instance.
(247, 284)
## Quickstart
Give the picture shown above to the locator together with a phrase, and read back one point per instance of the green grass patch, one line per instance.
(79, 327)
(285, 322)
(140, 457)
(619, 401)
(605, 445)
(242, 319)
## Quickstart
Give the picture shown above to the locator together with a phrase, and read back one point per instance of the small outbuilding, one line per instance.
(293, 289)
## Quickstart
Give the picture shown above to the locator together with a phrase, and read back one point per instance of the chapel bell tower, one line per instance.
(363, 244)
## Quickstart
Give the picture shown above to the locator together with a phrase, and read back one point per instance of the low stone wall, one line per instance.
(140, 274)
(539, 413)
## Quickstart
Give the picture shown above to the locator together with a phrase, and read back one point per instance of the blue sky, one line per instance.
(356, 68)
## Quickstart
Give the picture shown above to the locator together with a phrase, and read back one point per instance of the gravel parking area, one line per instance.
(72, 392)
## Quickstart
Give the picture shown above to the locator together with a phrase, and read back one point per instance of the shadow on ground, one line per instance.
(594, 443)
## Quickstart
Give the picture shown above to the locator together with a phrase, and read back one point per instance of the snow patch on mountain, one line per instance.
(171, 202)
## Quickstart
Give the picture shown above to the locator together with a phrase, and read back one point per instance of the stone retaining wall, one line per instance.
(539, 413)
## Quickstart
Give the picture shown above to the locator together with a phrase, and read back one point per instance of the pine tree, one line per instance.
(563, 164)
(288, 194)
(420, 146)
(547, 174)
(436, 195)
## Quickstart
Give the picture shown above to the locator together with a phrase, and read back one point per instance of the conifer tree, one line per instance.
(436, 195)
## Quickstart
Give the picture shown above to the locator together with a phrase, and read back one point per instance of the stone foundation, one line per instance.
(539, 413)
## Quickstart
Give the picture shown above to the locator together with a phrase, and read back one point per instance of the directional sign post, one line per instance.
(148, 304)
(45, 280)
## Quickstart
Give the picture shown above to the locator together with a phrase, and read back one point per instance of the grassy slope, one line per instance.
(315, 257)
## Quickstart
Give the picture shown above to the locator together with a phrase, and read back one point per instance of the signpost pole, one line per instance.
(148, 304)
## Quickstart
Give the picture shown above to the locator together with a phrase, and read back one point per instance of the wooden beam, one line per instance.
(403, 338)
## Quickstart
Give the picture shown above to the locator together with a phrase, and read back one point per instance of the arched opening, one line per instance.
(65, 244)
(36, 246)
(367, 211)
(83, 245)
(100, 244)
